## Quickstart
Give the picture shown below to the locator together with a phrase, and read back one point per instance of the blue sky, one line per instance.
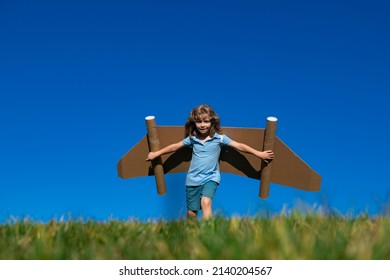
(77, 79)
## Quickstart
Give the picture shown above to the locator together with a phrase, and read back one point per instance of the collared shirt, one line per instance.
(204, 165)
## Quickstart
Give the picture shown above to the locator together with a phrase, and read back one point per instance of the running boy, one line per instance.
(203, 135)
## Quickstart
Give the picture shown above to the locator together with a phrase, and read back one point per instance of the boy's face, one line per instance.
(203, 124)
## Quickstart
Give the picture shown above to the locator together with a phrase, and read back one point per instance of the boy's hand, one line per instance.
(151, 156)
(266, 155)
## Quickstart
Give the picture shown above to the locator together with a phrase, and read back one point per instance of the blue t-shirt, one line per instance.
(204, 165)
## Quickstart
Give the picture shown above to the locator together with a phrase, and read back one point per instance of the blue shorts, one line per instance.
(195, 193)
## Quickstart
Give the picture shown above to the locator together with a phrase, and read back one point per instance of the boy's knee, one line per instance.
(205, 202)
(192, 213)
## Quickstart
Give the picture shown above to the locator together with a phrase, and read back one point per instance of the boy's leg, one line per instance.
(208, 191)
(193, 201)
(207, 211)
(192, 213)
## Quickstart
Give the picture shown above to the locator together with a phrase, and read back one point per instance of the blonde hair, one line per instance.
(190, 127)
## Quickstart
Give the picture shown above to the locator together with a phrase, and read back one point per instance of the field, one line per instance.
(293, 236)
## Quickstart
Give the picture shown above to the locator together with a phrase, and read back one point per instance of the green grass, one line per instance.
(293, 236)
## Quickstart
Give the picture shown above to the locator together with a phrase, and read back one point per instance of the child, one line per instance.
(203, 135)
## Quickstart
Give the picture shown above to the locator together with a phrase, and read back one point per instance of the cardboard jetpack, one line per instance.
(285, 169)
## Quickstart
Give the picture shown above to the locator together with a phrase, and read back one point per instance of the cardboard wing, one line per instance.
(287, 168)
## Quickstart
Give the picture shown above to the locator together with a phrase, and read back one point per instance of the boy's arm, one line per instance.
(168, 149)
(266, 155)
